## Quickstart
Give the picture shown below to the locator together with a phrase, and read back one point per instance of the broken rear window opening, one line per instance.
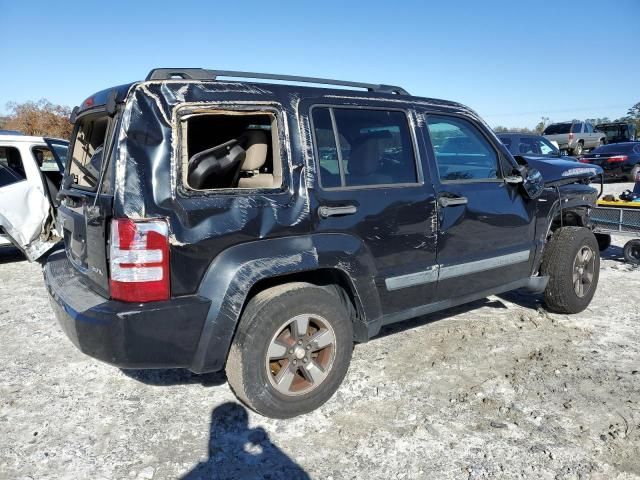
(87, 156)
(231, 150)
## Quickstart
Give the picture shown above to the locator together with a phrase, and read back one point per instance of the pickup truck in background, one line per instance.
(574, 136)
(618, 132)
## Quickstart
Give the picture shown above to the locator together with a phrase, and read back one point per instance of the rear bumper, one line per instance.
(127, 335)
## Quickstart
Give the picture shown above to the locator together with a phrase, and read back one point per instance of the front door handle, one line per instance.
(325, 212)
(445, 201)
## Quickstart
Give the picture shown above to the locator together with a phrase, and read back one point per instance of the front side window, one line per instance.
(11, 168)
(576, 128)
(363, 147)
(461, 151)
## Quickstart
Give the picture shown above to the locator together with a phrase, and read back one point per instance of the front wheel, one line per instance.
(572, 261)
(632, 251)
(292, 349)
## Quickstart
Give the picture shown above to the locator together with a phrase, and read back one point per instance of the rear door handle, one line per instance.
(325, 212)
(445, 201)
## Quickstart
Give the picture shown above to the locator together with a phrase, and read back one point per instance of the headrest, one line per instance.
(365, 157)
(256, 148)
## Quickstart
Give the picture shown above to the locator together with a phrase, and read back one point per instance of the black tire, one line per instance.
(577, 150)
(632, 251)
(560, 262)
(249, 366)
(604, 241)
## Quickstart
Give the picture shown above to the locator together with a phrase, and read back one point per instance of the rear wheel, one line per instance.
(632, 251)
(577, 150)
(291, 351)
(572, 262)
(604, 241)
(634, 173)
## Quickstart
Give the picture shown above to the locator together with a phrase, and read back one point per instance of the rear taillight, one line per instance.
(584, 160)
(617, 159)
(139, 260)
(571, 136)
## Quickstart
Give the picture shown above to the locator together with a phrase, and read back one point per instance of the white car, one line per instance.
(31, 170)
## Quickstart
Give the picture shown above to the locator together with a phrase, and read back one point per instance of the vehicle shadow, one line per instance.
(239, 452)
(613, 253)
(175, 376)
(10, 255)
(434, 317)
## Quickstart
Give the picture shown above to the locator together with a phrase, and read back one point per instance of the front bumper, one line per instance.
(127, 335)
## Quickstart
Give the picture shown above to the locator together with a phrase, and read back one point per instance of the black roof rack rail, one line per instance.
(204, 74)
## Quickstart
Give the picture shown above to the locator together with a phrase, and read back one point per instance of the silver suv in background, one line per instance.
(574, 136)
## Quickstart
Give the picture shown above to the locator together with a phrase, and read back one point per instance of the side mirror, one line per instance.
(533, 184)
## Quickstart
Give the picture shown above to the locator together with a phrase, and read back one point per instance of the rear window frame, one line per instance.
(180, 147)
(113, 122)
(411, 122)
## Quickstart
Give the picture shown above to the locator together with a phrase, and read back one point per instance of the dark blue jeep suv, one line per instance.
(263, 228)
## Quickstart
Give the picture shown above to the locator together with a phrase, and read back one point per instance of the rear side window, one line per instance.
(87, 151)
(461, 151)
(557, 129)
(11, 168)
(363, 147)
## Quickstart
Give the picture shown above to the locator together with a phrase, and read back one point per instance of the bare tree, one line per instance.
(41, 118)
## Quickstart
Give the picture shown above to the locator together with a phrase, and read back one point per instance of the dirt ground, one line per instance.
(496, 389)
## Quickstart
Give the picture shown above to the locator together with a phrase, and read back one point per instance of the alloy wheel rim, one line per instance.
(301, 354)
(583, 271)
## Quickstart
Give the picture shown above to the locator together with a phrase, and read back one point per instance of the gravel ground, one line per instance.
(496, 389)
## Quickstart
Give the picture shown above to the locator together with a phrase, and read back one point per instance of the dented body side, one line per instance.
(223, 243)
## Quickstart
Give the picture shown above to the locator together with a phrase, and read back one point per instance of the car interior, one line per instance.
(232, 150)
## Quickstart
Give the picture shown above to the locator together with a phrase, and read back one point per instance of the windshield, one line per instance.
(557, 128)
(530, 145)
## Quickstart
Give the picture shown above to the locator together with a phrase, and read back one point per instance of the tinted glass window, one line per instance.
(374, 146)
(506, 141)
(327, 151)
(588, 128)
(461, 151)
(535, 145)
(557, 128)
(576, 128)
(11, 168)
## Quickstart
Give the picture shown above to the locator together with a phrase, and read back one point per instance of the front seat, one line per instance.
(216, 167)
(256, 147)
(364, 163)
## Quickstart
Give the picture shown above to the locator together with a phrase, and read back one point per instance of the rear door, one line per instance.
(486, 235)
(370, 186)
(25, 211)
(86, 209)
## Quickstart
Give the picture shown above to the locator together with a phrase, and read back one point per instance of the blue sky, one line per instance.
(512, 61)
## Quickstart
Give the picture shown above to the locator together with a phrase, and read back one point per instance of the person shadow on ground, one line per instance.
(239, 452)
